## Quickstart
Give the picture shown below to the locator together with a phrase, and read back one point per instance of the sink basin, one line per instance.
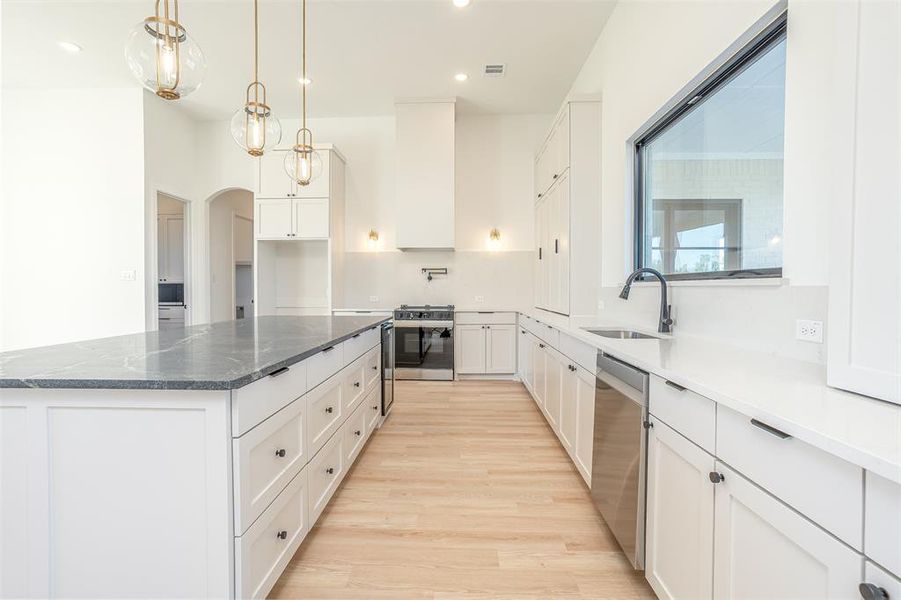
(622, 334)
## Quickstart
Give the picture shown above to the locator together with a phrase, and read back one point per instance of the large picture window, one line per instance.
(709, 173)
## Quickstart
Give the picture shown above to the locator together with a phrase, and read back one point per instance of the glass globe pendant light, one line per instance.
(252, 126)
(303, 163)
(162, 56)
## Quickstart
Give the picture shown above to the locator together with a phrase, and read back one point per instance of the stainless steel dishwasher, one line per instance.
(619, 455)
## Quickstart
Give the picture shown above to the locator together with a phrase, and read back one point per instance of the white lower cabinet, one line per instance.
(585, 381)
(485, 349)
(325, 472)
(679, 535)
(355, 434)
(568, 392)
(763, 549)
(554, 382)
(524, 358)
(539, 366)
(263, 552)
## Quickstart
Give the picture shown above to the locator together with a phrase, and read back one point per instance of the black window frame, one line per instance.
(771, 35)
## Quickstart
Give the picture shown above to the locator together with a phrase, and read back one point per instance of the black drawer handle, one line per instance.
(282, 535)
(770, 429)
(278, 372)
(330, 471)
(541, 345)
(358, 432)
(280, 453)
(375, 368)
(356, 384)
(356, 336)
(329, 349)
(329, 409)
(675, 386)
(375, 407)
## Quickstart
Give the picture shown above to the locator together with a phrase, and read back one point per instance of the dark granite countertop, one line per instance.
(217, 356)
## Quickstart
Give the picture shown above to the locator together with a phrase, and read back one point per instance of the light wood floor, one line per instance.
(464, 493)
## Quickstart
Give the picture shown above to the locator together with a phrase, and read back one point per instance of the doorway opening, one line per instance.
(172, 254)
(231, 256)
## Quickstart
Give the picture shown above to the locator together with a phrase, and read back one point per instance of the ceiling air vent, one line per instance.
(495, 70)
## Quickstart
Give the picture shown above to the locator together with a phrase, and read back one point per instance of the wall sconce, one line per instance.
(494, 239)
(373, 241)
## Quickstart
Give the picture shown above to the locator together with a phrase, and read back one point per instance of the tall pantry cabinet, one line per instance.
(299, 237)
(568, 211)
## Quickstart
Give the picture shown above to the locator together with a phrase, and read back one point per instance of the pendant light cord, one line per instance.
(304, 62)
(256, 43)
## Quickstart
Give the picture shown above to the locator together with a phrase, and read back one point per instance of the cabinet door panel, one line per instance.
(501, 349)
(470, 346)
(539, 363)
(554, 380)
(584, 422)
(311, 218)
(274, 181)
(14, 502)
(680, 516)
(561, 203)
(568, 397)
(274, 219)
(763, 549)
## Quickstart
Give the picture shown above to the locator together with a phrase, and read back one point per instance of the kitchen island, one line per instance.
(180, 463)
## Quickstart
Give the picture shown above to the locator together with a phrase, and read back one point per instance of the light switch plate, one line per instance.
(480, 298)
(127, 275)
(809, 331)
(373, 298)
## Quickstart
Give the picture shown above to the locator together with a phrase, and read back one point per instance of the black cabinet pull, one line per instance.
(356, 336)
(556, 246)
(375, 368)
(329, 409)
(356, 384)
(280, 453)
(539, 252)
(675, 386)
(541, 345)
(329, 349)
(770, 429)
(282, 535)
(716, 477)
(357, 432)
(869, 591)
(376, 407)
(556, 176)
(278, 372)
(330, 471)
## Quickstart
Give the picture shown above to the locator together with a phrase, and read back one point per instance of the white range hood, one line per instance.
(425, 173)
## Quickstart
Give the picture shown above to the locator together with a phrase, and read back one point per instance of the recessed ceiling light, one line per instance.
(69, 47)
(461, 76)
(461, 3)
(304, 80)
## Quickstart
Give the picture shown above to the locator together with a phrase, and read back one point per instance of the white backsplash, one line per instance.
(501, 279)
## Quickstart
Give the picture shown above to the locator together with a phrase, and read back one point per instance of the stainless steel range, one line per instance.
(424, 342)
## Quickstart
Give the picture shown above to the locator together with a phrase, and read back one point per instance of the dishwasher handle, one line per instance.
(624, 372)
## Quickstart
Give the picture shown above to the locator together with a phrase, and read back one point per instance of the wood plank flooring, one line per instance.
(466, 494)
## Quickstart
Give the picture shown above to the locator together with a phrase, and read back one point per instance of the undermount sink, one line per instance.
(622, 334)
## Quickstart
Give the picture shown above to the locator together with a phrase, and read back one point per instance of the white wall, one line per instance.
(73, 216)
(647, 52)
(222, 210)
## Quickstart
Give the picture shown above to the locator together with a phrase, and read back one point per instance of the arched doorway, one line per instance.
(231, 255)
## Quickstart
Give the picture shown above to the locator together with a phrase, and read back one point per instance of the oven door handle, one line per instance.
(423, 324)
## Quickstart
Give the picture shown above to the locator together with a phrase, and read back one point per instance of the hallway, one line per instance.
(463, 493)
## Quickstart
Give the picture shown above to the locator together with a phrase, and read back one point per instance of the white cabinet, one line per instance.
(763, 549)
(554, 382)
(864, 328)
(568, 394)
(171, 248)
(292, 218)
(274, 182)
(567, 212)
(584, 401)
(524, 358)
(14, 507)
(485, 349)
(679, 537)
(539, 366)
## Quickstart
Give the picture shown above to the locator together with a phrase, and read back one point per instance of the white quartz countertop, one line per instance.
(788, 394)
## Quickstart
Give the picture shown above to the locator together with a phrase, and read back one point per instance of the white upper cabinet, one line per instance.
(311, 218)
(864, 332)
(171, 248)
(273, 181)
(274, 219)
(425, 149)
(567, 212)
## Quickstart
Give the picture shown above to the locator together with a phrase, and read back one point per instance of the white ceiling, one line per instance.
(362, 54)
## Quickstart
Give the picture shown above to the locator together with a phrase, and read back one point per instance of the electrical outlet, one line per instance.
(809, 331)
(480, 298)
(373, 298)
(601, 305)
(127, 275)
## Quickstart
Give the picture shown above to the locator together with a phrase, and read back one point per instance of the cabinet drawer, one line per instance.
(692, 415)
(354, 379)
(882, 527)
(373, 368)
(485, 318)
(546, 333)
(324, 412)
(264, 397)
(354, 432)
(323, 365)
(357, 346)
(373, 404)
(265, 459)
(584, 354)
(263, 552)
(325, 472)
(823, 487)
